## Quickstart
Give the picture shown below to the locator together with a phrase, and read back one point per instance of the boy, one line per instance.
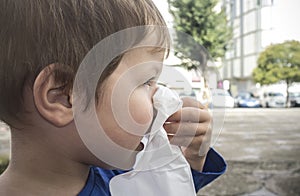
(43, 44)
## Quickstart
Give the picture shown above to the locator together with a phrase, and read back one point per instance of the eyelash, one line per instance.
(150, 82)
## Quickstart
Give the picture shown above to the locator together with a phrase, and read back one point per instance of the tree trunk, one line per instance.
(287, 93)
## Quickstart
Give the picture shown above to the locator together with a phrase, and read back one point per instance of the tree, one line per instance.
(207, 26)
(279, 62)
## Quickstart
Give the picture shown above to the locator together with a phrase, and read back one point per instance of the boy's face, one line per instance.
(125, 110)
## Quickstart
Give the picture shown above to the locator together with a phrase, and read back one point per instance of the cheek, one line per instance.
(124, 131)
(141, 108)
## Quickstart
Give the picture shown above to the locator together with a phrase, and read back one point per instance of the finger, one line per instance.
(190, 102)
(185, 141)
(191, 143)
(190, 114)
(186, 129)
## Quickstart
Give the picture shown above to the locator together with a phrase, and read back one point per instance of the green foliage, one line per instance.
(279, 62)
(208, 28)
(3, 164)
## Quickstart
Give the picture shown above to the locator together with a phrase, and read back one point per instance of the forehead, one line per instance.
(143, 55)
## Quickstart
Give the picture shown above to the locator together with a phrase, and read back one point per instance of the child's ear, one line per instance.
(51, 100)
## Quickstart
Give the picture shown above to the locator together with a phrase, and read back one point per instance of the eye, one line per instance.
(150, 82)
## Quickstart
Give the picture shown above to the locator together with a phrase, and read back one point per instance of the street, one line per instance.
(261, 147)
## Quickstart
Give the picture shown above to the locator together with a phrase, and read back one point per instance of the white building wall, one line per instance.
(249, 23)
(264, 22)
(259, 24)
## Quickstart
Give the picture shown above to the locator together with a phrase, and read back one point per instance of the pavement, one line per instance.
(261, 147)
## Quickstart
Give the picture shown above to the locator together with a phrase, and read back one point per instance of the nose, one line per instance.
(154, 88)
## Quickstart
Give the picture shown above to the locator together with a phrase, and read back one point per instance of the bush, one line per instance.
(3, 164)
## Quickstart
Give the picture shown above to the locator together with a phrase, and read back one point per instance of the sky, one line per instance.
(162, 5)
(285, 19)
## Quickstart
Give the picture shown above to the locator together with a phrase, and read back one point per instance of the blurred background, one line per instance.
(252, 72)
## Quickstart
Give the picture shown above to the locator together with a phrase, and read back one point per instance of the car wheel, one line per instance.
(267, 105)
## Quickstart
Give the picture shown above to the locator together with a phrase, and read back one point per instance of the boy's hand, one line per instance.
(190, 128)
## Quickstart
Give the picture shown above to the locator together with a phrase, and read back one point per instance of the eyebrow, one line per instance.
(166, 51)
(157, 69)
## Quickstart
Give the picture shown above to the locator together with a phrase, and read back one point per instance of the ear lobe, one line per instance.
(50, 99)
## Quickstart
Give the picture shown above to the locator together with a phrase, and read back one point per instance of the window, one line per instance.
(265, 2)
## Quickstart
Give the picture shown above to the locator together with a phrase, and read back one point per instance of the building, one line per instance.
(256, 24)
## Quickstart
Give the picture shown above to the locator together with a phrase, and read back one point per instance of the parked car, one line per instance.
(222, 99)
(247, 100)
(273, 99)
(294, 99)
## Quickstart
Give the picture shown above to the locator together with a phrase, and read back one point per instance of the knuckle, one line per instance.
(186, 100)
(207, 127)
(196, 143)
(189, 141)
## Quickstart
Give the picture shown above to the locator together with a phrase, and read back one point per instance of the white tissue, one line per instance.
(161, 168)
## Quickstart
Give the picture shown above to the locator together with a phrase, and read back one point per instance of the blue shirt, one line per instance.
(98, 181)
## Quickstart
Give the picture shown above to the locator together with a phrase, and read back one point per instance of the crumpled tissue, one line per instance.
(160, 169)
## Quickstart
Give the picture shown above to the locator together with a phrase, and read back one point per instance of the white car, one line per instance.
(222, 99)
(273, 100)
(294, 99)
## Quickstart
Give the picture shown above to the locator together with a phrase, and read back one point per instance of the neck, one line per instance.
(42, 169)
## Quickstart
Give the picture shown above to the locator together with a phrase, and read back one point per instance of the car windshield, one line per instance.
(293, 95)
(245, 95)
(275, 94)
